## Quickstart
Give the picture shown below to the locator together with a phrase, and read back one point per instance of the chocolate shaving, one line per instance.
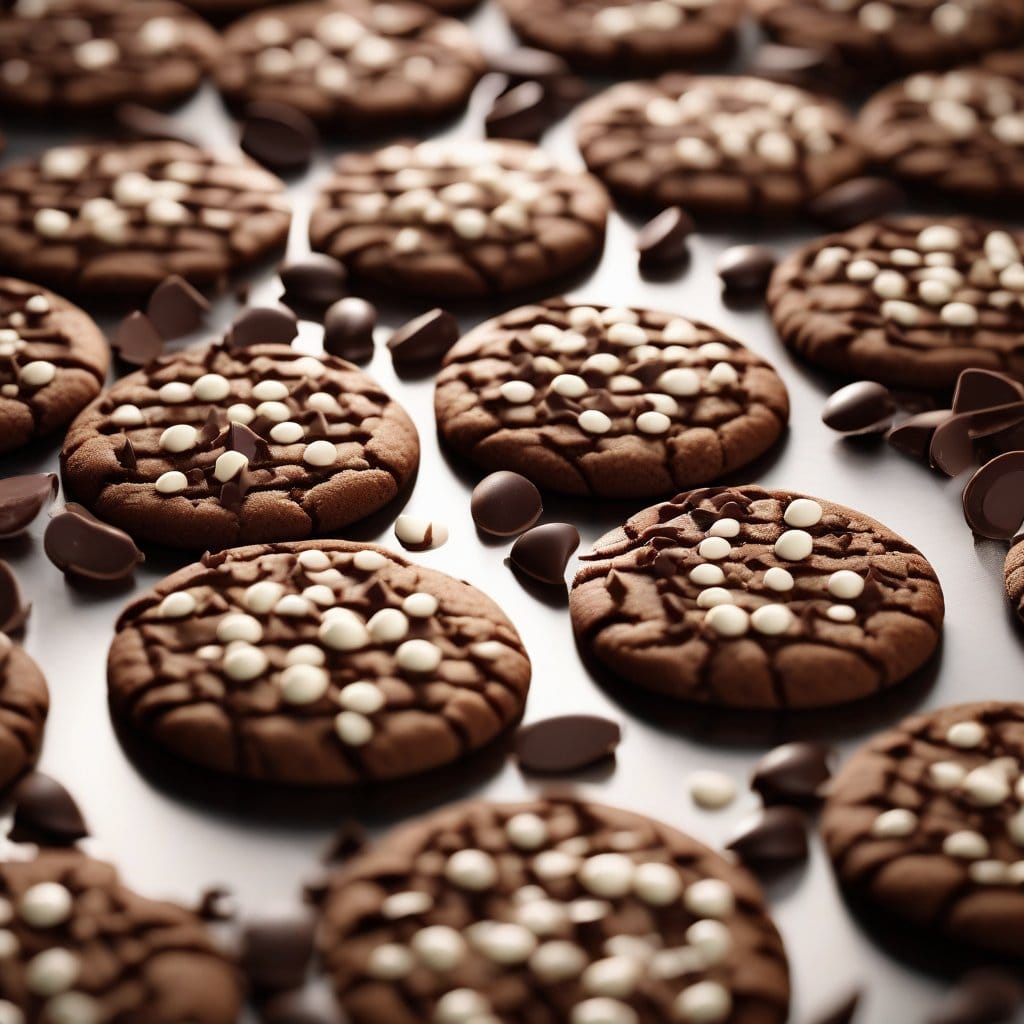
(22, 498)
(241, 439)
(82, 546)
(126, 454)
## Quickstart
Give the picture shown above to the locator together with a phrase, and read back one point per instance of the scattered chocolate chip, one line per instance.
(348, 329)
(417, 534)
(245, 441)
(425, 339)
(126, 456)
(525, 64)
(217, 904)
(793, 773)
(774, 837)
(662, 241)
(277, 948)
(952, 448)
(863, 407)
(304, 1006)
(746, 268)
(278, 136)
(13, 611)
(568, 743)
(983, 389)
(985, 995)
(993, 499)
(842, 1011)
(524, 111)
(793, 65)
(141, 124)
(176, 308)
(262, 325)
(347, 841)
(45, 813)
(852, 202)
(505, 504)
(22, 498)
(81, 546)
(136, 340)
(544, 552)
(913, 436)
(313, 283)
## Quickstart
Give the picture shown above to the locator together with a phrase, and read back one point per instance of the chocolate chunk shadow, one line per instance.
(554, 595)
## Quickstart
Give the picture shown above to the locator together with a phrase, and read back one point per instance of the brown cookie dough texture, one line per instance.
(1006, 62)
(550, 912)
(908, 301)
(351, 63)
(616, 37)
(926, 823)
(24, 703)
(882, 38)
(717, 145)
(449, 219)
(112, 221)
(606, 400)
(960, 131)
(81, 948)
(78, 55)
(53, 361)
(319, 663)
(1014, 574)
(215, 447)
(754, 598)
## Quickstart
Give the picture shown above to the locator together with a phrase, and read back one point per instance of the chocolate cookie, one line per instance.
(717, 145)
(550, 912)
(320, 663)
(352, 64)
(960, 131)
(215, 446)
(24, 703)
(1013, 569)
(754, 598)
(623, 403)
(114, 220)
(54, 361)
(86, 55)
(81, 948)
(926, 823)
(619, 38)
(909, 301)
(884, 38)
(459, 218)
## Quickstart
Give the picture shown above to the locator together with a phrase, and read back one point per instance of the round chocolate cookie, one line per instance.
(24, 703)
(77, 55)
(753, 598)
(216, 446)
(717, 145)
(884, 38)
(1013, 570)
(81, 948)
(112, 221)
(960, 131)
(550, 912)
(320, 663)
(623, 403)
(926, 823)
(352, 64)
(909, 301)
(53, 361)
(459, 218)
(620, 38)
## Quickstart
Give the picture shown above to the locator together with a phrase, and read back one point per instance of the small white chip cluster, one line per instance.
(945, 17)
(537, 933)
(966, 104)
(32, 374)
(995, 786)
(646, 16)
(935, 280)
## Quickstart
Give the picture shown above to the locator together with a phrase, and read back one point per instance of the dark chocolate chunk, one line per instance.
(662, 240)
(978, 389)
(857, 200)
(952, 448)
(793, 773)
(80, 545)
(505, 504)
(773, 837)
(568, 743)
(278, 136)
(176, 308)
(22, 498)
(746, 268)
(348, 329)
(241, 439)
(263, 325)
(303, 1006)
(45, 813)
(425, 339)
(13, 611)
(863, 407)
(842, 1011)
(993, 499)
(986, 995)
(349, 840)
(277, 948)
(544, 552)
(142, 124)
(217, 903)
(313, 283)
(126, 456)
(136, 340)
(525, 112)
(914, 435)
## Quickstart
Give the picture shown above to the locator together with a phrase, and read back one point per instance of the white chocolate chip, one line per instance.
(369, 561)
(260, 597)
(841, 613)
(712, 597)
(711, 790)
(292, 606)
(320, 453)
(526, 831)
(305, 654)
(211, 387)
(966, 845)
(241, 413)
(45, 905)
(986, 786)
(353, 729)
(714, 548)
(894, 824)
(418, 655)
(179, 438)
(569, 385)
(239, 626)
(803, 512)
(471, 869)
(287, 432)
(679, 381)
(608, 875)
(517, 392)
(390, 962)
(175, 392)
(388, 626)
(343, 630)
(439, 947)
(654, 423)
(965, 735)
(705, 1002)
(845, 585)
(363, 697)
(794, 545)
(710, 897)
(707, 575)
(127, 416)
(779, 579)
(51, 972)
(593, 421)
(37, 374)
(177, 605)
(946, 775)
(771, 619)
(727, 620)
(303, 684)
(420, 605)
(959, 314)
(171, 482)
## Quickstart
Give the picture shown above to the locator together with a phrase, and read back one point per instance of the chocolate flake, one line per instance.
(22, 498)
(774, 837)
(136, 340)
(567, 743)
(913, 436)
(864, 407)
(505, 504)
(262, 325)
(313, 283)
(176, 308)
(82, 546)
(993, 500)
(278, 136)
(45, 813)
(543, 552)
(424, 339)
(662, 241)
(794, 773)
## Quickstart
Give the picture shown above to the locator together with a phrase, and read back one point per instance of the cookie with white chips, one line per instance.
(458, 218)
(321, 663)
(723, 145)
(908, 301)
(217, 446)
(53, 362)
(607, 400)
(549, 912)
(24, 704)
(755, 598)
(926, 824)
